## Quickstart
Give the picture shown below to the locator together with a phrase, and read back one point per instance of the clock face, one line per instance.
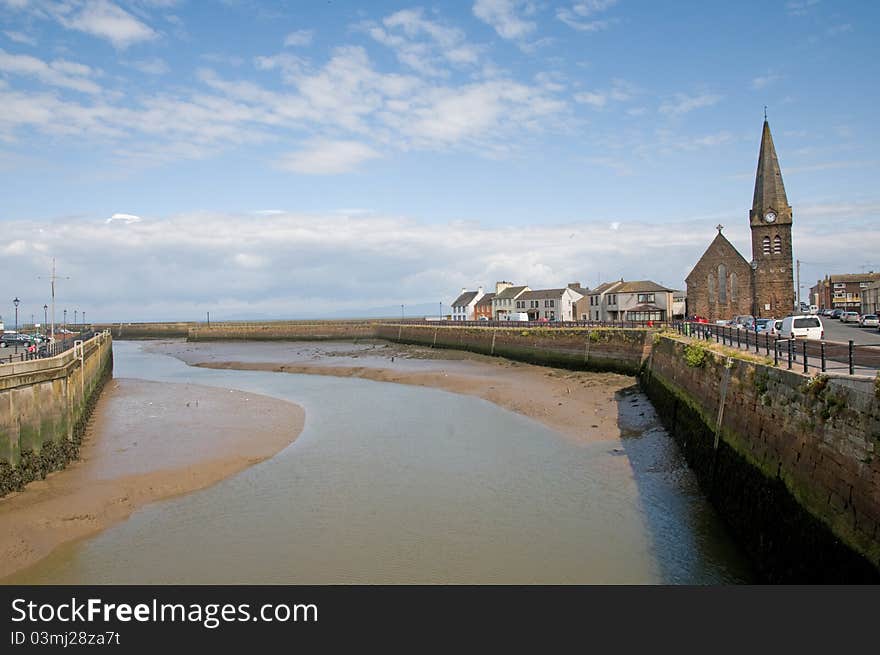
(770, 217)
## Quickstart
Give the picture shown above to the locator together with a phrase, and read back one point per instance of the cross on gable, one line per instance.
(719, 227)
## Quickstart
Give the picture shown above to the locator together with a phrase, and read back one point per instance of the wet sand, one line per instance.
(146, 441)
(582, 406)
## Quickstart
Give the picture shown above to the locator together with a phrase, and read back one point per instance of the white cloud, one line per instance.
(682, 103)
(285, 262)
(800, 7)
(20, 37)
(299, 38)
(124, 218)
(105, 20)
(424, 45)
(597, 100)
(581, 15)
(154, 66)
(506, 17)
(60, 73)
(326, 157)
(763, 81)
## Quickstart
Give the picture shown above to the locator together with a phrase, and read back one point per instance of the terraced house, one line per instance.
(504, 302)
(550, 304)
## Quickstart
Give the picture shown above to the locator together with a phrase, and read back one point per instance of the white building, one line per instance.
(550, 304)
(463, 306)
(505, 298)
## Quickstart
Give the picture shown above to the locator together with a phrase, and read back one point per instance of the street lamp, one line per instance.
(15, 302)
(441, 310)
(84, 318)
(75, 321)
(45, 317)
(65, 319)
(401, 312)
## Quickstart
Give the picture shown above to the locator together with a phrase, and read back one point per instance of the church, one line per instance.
(723, 284)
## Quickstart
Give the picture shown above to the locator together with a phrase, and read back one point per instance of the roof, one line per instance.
(645, 307)
(534, 294)
(602, 288)
(854, 277)
(769, 189)
(485, 300)
(510, 292)
(464, 299)
(640, 286)
(720, 242)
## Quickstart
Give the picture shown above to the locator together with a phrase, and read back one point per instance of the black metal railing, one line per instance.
(24, 353)
(530, 324)
(798, 353)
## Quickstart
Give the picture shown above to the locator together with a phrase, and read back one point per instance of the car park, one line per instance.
(869, 320)
(849, 317)
(802, 326)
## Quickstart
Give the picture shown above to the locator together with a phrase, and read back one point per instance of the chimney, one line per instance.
(463, 290)
(502, 285)
(574, 285)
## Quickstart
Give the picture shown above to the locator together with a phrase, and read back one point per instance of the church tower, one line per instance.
(770, 220)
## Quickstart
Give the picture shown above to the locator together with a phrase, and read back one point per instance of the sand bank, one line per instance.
(146, 441)
(583, 406)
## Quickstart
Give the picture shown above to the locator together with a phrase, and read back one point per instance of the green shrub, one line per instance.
(695, 355)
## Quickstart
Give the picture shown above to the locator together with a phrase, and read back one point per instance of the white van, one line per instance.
(517, 316)
(803, 326)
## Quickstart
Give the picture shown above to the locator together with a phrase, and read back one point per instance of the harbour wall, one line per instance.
(44, 407)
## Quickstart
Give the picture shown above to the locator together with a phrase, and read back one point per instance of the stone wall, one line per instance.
(791, 465)
(599, 349)
(283, 331)
(44, 407)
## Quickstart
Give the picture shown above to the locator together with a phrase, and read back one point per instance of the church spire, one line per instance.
(769, 190)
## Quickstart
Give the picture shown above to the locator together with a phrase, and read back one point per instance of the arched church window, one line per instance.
(722, 284)
(733, 287)
(766, 242)
(710, 285)
(777, 245)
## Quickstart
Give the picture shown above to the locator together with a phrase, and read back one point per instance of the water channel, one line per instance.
(391, 483)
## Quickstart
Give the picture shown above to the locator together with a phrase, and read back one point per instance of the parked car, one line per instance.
(849, 317)
(802, 326)
(744, 322)
(10, 339)
(835, 313)
(483, 318)
(764, 324)
(869, 320)
(777, 327)
(516, 316)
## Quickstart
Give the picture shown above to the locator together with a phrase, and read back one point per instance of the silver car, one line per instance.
(869, 320)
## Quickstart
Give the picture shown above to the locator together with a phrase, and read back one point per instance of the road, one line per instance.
(837, 331)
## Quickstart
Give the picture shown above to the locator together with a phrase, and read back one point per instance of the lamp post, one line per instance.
(401, 312)
(84, 319)
(65, 319)
(441, 311)
(75, 321)
(45, 316)
(15, 302)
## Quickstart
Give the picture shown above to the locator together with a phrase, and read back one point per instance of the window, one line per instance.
(646, 297)
(551, 303)
(840, 285)
(733, 289)
(722, 284)
(766, 245)
(777, 245)
(710, 286)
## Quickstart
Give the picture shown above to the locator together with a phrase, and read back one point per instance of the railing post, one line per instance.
(805, 355)
(789, 354)
(852, 370)
(822, 354)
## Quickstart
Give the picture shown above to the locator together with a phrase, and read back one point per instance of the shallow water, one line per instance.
(396, 484)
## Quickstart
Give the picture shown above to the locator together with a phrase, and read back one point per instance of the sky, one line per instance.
(296, 159)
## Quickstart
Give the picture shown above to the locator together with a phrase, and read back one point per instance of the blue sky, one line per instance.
(301, 157)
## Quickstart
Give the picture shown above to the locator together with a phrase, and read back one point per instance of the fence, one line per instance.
(20, 352)
(529, 324)
(802, 354)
